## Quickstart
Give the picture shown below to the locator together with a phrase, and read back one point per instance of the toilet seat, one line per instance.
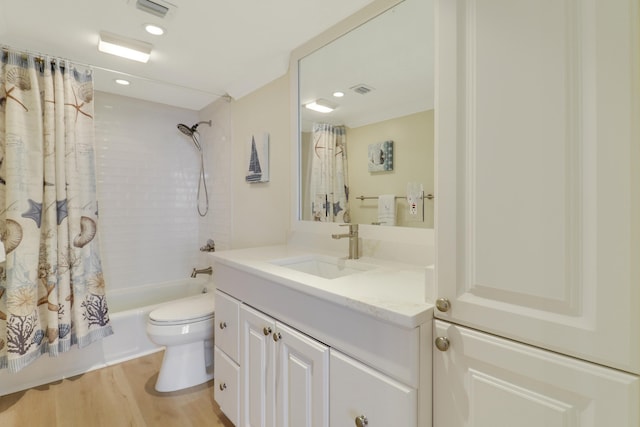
(189, 310)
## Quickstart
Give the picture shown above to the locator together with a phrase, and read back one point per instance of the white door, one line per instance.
(486, 381)
(538, 173)
(257, 369)
(302, 382)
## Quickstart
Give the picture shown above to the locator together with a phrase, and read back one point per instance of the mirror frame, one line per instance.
(413, 236)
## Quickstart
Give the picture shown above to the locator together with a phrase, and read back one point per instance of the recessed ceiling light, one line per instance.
(154, 29)
(338, 94)
(123, 82)
(123, 47)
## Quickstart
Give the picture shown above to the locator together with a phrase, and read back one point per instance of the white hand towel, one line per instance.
(387, 209)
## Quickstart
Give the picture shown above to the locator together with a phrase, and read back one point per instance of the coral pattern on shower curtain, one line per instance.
(329, 180)
(52, 291)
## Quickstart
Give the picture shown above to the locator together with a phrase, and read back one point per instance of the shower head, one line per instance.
(189, 131)
(185, 129)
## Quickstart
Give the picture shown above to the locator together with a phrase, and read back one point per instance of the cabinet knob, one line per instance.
(266, 330)
(223, 325)
(223, 386)
(277, 336)
(442, 343)
(361, 421)
(443, 304)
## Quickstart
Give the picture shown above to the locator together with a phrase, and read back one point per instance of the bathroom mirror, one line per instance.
(383, 66)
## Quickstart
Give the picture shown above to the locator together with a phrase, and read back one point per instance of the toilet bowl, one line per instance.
(185, 329)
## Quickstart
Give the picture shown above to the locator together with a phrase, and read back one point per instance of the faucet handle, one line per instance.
(353, 228)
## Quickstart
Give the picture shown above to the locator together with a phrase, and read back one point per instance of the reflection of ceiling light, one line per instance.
(123, 82)
(126, 48)
(321, 106)
(338, 94)
(154, 29)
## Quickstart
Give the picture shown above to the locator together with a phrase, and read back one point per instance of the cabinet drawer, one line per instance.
(227, 324)
(225, 387)
(357, 390)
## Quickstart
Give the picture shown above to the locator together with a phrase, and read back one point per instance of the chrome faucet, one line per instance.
(354, 249)
(208, 270)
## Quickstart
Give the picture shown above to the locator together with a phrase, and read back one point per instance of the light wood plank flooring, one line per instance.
(119, 395)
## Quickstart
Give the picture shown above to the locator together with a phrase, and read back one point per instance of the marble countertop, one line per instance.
(392, 291)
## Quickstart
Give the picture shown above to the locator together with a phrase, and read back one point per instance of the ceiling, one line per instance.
(210, 48)
(391, 54)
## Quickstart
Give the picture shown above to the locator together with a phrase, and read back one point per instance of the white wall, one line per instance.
(261, 211)
(147, 183)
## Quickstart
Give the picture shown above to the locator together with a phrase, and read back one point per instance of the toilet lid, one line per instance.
(188, 309)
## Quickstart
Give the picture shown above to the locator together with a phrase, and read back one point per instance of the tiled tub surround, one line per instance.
(147, 187)
(378, 319)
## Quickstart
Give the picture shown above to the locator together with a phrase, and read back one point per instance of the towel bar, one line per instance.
(427, 196)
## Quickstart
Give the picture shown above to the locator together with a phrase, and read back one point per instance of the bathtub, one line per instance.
(128, 311)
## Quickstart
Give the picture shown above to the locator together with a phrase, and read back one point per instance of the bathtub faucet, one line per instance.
(208, 270)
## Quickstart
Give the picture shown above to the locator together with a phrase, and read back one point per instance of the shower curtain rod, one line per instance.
(41, 56)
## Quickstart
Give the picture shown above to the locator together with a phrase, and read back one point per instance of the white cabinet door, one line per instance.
(257, 369)
(538, 172)
(302, 381)
(486, 381)
(358, 391)
(226, 385)
(284, 375)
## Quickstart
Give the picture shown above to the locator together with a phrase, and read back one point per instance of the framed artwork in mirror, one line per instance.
(380, 156)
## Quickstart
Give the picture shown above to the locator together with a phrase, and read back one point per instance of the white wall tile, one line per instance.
(147, 186)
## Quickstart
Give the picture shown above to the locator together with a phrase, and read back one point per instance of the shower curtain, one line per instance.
(52, 291)
(329, 183)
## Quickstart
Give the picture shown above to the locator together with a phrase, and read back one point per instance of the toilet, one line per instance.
(185, 328)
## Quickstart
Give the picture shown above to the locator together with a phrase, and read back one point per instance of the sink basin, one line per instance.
(324, 266)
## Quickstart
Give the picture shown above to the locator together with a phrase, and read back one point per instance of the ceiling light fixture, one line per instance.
(123, 47)
(321, 106)
(338, 94)
(123, 82)
(154, 29)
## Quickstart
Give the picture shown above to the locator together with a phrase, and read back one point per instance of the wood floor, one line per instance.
(120, 395)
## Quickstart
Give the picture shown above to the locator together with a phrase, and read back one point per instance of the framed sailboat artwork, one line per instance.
(258, 168)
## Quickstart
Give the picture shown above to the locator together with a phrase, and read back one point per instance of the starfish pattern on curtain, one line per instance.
(329, 180)
(52, 290)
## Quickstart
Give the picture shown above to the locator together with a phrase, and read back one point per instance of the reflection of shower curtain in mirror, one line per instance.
(52, 292)
(329, 184)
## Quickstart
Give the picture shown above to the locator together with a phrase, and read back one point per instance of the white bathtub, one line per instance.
(128, 311)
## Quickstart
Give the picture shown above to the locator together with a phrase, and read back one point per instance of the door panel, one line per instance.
(257, 369)
(538, 148)
(486, 381)
(303, 380)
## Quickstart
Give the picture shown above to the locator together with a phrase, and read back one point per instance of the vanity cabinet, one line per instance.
(363, 396)
(284, 374)
(306, 361)
(485, 381)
